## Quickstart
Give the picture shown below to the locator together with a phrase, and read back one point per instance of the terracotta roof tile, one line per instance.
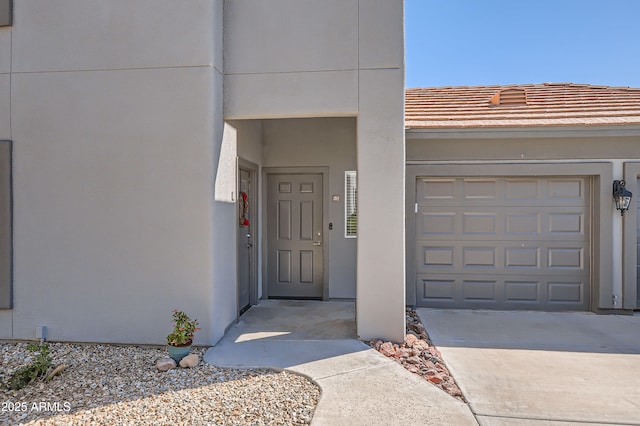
(548, 104)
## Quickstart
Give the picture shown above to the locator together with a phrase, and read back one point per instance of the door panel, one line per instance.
(294, 235)
(245, 246)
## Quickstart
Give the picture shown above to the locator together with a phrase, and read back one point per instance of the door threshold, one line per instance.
(293, 298)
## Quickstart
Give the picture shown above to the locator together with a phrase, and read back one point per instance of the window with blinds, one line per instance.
(350, 204)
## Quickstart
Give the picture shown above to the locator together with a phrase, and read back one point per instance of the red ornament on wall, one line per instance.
(244, 209)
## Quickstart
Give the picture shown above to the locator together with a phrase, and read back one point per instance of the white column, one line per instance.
(380, 287)
(381, 187)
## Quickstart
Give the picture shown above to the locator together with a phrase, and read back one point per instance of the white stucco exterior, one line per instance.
(346, 59)
(123, 184)
(116, 119)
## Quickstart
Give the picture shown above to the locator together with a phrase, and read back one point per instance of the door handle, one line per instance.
(317, 243)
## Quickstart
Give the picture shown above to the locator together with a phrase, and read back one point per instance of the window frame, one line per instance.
(350, 202)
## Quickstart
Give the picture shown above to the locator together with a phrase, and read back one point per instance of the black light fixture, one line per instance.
(621, 196)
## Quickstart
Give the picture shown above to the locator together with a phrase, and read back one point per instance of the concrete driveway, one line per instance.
(533, 368)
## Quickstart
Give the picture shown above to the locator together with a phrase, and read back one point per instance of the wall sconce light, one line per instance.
(621, 196)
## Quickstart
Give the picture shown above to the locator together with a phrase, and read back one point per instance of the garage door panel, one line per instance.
(566, 258)
(531, 257)
(437, 223)
(564, 223)
(501, 222)
(438, 256)
(502, 292)
(566, 189)
(475, 223)
(522, 189)
(561, 191)
(519, 292)
(522, 223)
(503, 243)
(439, 290)
(522, 258)
(480, 189)
(566, 293)
(436, 189)
(451, 257)
(480, 291)
(479, 257)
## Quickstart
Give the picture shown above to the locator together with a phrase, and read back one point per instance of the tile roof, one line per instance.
(547, 104)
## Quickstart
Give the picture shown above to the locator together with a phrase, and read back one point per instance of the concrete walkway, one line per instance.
(359, 386)
(531, 368)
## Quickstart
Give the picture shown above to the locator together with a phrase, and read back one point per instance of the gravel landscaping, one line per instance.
(107, 385)
(419, 356)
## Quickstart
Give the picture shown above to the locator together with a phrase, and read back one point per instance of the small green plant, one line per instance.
(29, 373)
(183, 329)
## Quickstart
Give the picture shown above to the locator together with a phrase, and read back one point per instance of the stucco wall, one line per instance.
(116, 118)
(334, 58)
(381, 147)
(249, 133)
(522, 148)
(301, 57)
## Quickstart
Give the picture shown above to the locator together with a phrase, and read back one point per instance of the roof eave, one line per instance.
(523, 132)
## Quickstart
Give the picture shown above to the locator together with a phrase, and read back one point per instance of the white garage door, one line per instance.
(503, 243)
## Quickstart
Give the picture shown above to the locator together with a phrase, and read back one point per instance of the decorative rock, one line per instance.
(120, 385)
(413, 369)
(387, 349)
(442, 368)
(417, 327)
(419, 356)
(413, 360)
(437, 379)
(164, 364)
(189, 361)
(421, 345)
(410, 339)
(402, 353)
(430, 365)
